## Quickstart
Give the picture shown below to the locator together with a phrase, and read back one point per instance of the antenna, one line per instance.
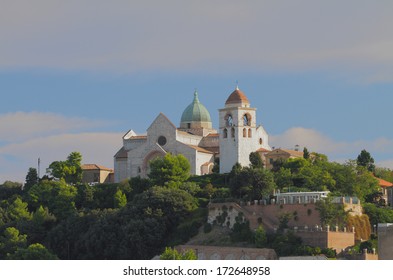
(39, 165)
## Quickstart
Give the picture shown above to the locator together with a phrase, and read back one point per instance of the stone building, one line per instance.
(94, 173)
(196, 139)
(280, 155)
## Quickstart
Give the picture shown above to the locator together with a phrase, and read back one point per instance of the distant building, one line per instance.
(93, 173)
(280, 155)
(385, 186)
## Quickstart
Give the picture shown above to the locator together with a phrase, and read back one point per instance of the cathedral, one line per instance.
(237, 136)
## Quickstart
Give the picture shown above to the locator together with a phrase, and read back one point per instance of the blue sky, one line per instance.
(76, 75)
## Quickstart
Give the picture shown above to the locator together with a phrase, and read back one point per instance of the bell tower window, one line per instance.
(244, 132)
(225, 133)
(233, 132)
(247, 120)
(229, 120)
(249, 133)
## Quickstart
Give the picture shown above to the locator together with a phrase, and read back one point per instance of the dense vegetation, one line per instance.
(58, 217)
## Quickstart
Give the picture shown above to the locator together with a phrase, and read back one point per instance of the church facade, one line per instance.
(237, 136)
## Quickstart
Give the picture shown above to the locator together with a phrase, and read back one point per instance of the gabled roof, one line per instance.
(161, 115)
(263, 150)
(383, 183)
(95, 167)
(290, 152)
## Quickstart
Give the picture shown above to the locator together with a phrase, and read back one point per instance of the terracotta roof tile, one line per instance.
(237, 97)
(383, 183)
(95, 167)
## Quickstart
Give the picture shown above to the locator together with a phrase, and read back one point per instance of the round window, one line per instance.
(162, 140)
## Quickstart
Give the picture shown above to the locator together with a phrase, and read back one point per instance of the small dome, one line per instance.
(237, 98)
(196, 115)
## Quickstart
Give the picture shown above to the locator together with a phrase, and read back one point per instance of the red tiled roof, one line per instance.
(139, 137)
(213, 135)
(95, 167)
(383, 183)
(237, 97)
(263, 150)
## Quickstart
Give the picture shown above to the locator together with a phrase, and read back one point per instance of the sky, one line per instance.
(77, 75)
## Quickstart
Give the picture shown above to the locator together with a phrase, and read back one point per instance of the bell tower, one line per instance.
(238, 137)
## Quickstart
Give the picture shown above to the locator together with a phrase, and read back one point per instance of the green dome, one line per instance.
(196, 115)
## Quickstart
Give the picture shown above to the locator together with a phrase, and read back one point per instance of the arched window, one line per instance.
(260, 141)
(233, 132)
(247, 120)
(249, 133)
(244, 132)
(225, 133)
(229, 120)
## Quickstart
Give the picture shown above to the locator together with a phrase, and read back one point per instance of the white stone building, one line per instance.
(196, 139)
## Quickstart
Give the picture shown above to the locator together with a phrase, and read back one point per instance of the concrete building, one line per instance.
(196, 139)
(385, 241)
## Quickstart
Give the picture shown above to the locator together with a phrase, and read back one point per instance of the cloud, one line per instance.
(177, 35)
(380, 148)
(15, 159)
(310, 138)
(22, 126)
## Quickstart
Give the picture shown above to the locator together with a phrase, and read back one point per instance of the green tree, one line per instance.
(33, 252)
(283, 179)
(330, 213)
(260, 237)
(17, 211)
(256, 160)
(170, 170)
(169, 203)
(10, 241)
(365, 159)
(9, 189)
(69, 170)
(57, 196)
(120, 199)
(173, 254)
(31, 179)
(306, 153)
(251, 183)
(42, 222)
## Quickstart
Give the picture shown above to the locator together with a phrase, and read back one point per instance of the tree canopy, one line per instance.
(69, 170)
(171, 170)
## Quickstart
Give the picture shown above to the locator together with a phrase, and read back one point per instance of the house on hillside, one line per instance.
(280, 155)
(386, 190)
(94, 173)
